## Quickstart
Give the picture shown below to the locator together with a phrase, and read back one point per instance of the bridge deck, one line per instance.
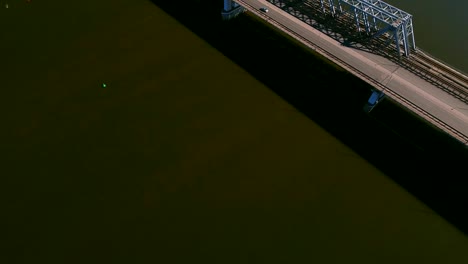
(403, 86)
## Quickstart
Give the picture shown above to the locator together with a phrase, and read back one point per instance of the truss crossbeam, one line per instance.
(376, 15)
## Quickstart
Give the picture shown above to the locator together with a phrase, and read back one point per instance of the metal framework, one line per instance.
(377, 17)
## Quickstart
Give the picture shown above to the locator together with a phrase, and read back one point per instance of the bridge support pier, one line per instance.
(375, 98)
(231, 9)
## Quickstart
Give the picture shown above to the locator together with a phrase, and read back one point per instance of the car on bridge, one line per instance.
(264, 9)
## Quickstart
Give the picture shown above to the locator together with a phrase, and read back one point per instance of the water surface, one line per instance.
(440, 28)
(195, 151)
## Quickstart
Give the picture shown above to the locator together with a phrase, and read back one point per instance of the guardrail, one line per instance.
(393, 95)
(443, 64)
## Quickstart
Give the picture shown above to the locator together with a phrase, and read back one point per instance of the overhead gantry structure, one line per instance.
(377, 18)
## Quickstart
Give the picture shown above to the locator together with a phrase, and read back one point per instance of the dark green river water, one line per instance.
(209, 143)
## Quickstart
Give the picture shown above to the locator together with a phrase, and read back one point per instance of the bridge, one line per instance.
(375, 42)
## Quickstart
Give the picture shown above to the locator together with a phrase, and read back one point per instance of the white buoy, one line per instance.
(6, 5)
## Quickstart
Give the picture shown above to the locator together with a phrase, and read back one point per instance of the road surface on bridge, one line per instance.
(394, 79)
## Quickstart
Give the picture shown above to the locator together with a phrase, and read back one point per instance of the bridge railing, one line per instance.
(393, 95)
(443, 63)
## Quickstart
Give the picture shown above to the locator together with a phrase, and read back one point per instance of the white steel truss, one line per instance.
(378, 18)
